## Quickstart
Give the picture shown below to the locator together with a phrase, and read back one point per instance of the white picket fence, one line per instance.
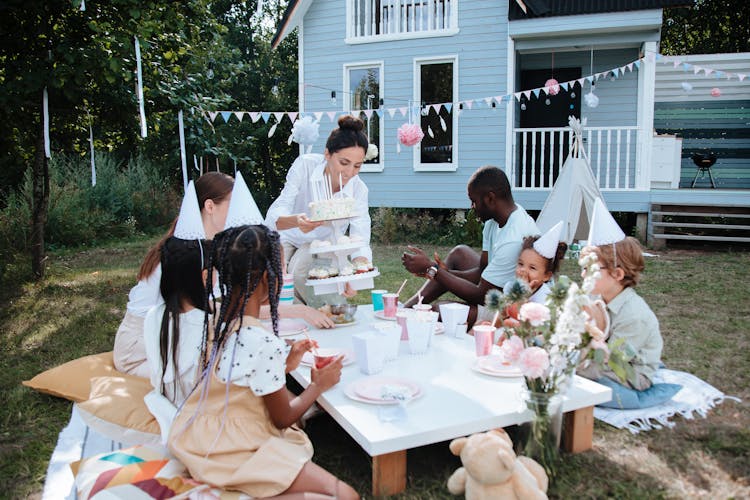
(378, 18)
(539, 154)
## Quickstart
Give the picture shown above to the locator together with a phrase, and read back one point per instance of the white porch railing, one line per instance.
(539, 154)
(389, 18)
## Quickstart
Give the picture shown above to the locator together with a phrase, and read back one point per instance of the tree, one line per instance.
(708, 27)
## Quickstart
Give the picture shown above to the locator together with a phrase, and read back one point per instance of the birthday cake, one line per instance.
(332, 208)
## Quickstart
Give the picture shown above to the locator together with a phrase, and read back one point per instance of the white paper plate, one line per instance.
(491, 365)
(359, 390)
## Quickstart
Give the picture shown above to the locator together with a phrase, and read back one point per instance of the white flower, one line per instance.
(372, 152)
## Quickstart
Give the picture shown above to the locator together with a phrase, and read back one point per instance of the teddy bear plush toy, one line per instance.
(491, 469)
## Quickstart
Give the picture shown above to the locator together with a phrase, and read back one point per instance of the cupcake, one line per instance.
(346, 270)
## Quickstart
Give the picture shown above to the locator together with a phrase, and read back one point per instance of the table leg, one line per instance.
(578, 430)
(389, 473)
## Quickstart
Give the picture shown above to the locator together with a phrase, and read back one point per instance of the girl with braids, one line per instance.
(343, 157)
(236, 431)
(173, 330)
(214, 191)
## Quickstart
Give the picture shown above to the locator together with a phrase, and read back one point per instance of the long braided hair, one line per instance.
(182, 263)
(241, 256)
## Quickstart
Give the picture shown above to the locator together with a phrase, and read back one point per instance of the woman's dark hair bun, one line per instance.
(352, 123)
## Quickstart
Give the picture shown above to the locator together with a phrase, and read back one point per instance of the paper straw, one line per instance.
(402, 287)
(419, 296)
(494, 319)
(341, 182)
(314, 350)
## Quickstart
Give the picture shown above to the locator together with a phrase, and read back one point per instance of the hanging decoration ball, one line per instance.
(686, 86)
(547, 101)
(410, 134)
(592, 100)
(305, 131)
(523, 106)
(572, 95)
(715, 92)
(553, 86)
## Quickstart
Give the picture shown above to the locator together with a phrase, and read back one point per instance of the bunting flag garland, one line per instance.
(45, 121)
(139, 87)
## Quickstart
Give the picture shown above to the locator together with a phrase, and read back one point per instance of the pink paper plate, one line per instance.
(288, 326)
(371, 388)
(493, 365)
(381, 315)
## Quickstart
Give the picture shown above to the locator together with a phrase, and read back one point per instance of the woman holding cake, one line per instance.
(337, 168)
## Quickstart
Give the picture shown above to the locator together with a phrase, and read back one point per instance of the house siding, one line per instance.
(481, 51)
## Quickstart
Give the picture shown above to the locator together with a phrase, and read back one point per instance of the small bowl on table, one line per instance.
(343, 313)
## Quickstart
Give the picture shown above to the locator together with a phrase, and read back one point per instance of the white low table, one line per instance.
(455, 401)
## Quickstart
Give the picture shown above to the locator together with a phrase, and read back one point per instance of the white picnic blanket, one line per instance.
(695, 398)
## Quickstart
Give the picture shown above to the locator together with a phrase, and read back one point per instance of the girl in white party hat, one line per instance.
(634, 329)
(539, 260)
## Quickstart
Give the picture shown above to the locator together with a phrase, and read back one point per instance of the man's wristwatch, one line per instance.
(431, 271)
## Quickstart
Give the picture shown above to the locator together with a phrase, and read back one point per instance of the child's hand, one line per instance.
(349, 292)
(316, 318)
(329, 375)
(299, 348)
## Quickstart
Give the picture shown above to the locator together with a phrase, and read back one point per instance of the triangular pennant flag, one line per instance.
(536, 92)
(379, 112)
(527, 93)
(402, 110)
(741, 76)
(239, 115)
(506, 98)
(189, 223)
(696, 69)
(391, 111)
(254, 116)
(590, 78)
(226, 115)
(242, 207)
(719, 74)
(469, 103)
(686, 66)
(517, 95)
(292, 115)
(265, 115)
(630, 66)
(546, 91)
(637, 63)
(499, 98)
(658, 56)
(676, 62)
(435, 107)
(564, 86)
(708, 71)
(488, 100)
(212, 115)
(616, 72)
(318, 115)
(279, 116)
(331, 115)
(580, 82)
(368, 113)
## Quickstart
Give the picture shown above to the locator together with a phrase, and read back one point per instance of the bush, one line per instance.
(126, 199)
(436, 226)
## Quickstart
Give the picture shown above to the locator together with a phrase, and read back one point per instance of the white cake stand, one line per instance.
(339, 254)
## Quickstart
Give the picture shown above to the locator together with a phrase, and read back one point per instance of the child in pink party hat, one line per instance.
(634, 329)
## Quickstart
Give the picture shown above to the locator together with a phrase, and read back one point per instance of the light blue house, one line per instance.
(461, 64)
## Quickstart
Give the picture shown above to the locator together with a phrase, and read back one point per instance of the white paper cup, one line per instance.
(369, 351)
(420, 333)
(391, 336)
(452, 314)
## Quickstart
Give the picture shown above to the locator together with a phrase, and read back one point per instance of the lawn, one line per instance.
(700, 298)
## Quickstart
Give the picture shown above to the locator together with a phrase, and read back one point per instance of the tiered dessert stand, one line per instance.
(339, 256)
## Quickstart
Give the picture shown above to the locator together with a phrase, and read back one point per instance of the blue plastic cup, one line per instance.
(377, 299)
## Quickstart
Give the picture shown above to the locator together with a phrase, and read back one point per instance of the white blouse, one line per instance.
(145, 294)
(255, 358)
(297, 195)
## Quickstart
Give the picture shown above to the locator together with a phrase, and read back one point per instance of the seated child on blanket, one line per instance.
(630, 318)
(235, 430)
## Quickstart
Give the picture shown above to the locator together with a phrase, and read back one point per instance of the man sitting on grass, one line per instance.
(464, 272)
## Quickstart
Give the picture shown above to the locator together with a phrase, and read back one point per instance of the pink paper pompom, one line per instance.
(409, 134)
(534, 313)
(553, 86)
(715, 92)
(534, 362)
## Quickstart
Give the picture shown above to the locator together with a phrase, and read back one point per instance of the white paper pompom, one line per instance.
(305, 131)
(372, 152)
(592, 100)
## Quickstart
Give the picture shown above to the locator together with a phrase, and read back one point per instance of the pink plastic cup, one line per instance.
(390, 304)
(483, 337)
(324, 357)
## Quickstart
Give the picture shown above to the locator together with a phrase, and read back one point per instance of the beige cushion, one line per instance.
(72, 380)
(116, 409)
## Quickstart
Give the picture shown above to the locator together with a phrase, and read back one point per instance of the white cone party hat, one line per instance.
(604, 229)
(546, 245)
(242, 207)
(189, 223)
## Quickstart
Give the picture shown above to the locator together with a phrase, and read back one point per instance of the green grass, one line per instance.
(701, 300)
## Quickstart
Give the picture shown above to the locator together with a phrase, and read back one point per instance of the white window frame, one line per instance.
(416, 161)
(354, 40)
(369, 167)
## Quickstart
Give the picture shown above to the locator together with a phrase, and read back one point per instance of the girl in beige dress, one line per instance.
(236, 430)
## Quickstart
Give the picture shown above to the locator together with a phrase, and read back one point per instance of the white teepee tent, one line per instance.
(572, 197)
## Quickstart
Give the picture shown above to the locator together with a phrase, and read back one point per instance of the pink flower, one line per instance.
(512, 349)
(536, 314)
(534, 362)
(410, 134)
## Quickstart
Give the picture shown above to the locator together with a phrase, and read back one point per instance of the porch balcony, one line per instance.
(381, 20)
(539, 154)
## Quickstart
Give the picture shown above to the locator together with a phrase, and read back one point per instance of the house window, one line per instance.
(388, 19)
(436, 84)
(363, 83)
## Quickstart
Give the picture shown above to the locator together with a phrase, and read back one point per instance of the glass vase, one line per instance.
(539, 438)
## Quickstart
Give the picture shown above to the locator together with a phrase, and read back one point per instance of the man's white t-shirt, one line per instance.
(503, 245)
